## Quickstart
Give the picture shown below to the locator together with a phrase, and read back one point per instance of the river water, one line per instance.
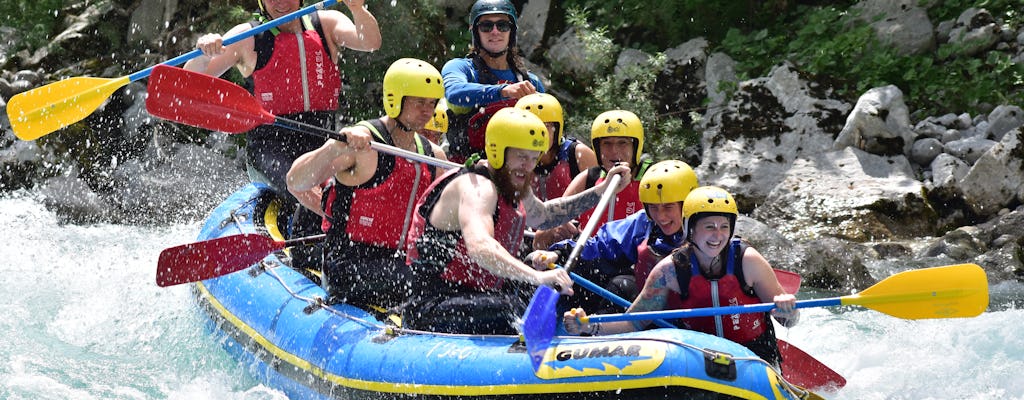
(83, 319)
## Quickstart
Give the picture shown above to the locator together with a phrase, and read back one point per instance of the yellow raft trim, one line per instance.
(270, 217)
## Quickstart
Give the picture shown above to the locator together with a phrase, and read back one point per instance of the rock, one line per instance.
(969, 149)
(1004, 119)
(995, 179)
(951, 135)
(681, 82)
(720, 69)
(832, 264)
(148, 20)
(975, 31)
(925, 150)
(568, 54)
(848, 194)
(531, 24)
(947, 170)
(901, 24)
(186, 186)
(630, 63)
(751, 143)
(878, 124)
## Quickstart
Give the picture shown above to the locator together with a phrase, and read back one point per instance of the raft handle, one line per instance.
(719, 365)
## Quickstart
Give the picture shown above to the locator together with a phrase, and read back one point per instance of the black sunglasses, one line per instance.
(487, 26)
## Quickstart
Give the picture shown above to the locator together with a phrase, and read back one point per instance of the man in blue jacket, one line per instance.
(491, 77)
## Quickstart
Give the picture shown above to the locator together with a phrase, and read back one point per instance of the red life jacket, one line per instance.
(429, 246)
(549, 182)
(379, 211)
(646, 259)
(627, 202)
(731, 291)
(299, 75)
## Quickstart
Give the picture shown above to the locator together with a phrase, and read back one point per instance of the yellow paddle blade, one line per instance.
(942, 292)
(45, 109)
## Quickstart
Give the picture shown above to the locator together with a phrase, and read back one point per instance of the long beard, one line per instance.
(508, 191)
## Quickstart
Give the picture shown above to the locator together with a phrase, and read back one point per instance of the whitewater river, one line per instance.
(81, 318)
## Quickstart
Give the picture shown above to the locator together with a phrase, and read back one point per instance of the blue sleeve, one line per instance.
(536, 82)
(614, 247)
(461, 89)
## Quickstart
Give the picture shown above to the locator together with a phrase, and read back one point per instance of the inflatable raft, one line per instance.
(272, 317)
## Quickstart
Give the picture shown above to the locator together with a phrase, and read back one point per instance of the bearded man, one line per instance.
(469, 226)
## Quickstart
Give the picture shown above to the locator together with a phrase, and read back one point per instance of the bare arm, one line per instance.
(438, 151)
(218, 59)
(312, 169)
(544, 238)
(660, 284)
(585, 158)
(760, 275)
(361, 33)
(478, 200)
(555, 212)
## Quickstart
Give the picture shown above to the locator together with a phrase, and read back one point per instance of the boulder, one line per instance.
(879, 123)
(849, 194)
(750, 144)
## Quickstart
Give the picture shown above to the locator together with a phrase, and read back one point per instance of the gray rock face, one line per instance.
(879, 123)
(925, 150)
(751, 143)
(902, 24)
(848, 194)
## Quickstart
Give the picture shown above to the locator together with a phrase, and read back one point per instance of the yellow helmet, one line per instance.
(439, 123)
(668, 181)
(410, 77)
(619, 123)
(515, 128)
(547, 108)
(707, 201)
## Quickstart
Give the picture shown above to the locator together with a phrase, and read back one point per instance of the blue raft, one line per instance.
(272, 318)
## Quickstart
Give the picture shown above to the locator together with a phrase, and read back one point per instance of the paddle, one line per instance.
(941, 292)
(799, 368)
(45, 109)
(536, 324)
(952, 291)
(209, 259)
(212, 103)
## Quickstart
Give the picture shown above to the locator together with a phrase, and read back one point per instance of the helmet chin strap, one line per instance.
(496, 55)
(402, 126)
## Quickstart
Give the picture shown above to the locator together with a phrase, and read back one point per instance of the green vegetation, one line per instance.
(826, 42)
(35, 19)
(831, 44)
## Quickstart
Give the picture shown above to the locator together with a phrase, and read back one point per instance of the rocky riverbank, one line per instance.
(828, 186)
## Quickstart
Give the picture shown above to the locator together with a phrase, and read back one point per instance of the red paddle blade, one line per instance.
(209, 259)
(790, 281)
(800, 369)
(203, 101)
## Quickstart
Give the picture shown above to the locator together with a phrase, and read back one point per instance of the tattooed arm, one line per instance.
(654, 297)
(558, 211)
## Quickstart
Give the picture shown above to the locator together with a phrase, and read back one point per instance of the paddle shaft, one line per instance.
(592, 223)
(305, 240)
(708, 312)
(612, 297)
(240, 36)
(381, 147)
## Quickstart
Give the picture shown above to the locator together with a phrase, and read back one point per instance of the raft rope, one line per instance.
(395, 330)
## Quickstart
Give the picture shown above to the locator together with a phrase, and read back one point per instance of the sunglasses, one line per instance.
(487, 26)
